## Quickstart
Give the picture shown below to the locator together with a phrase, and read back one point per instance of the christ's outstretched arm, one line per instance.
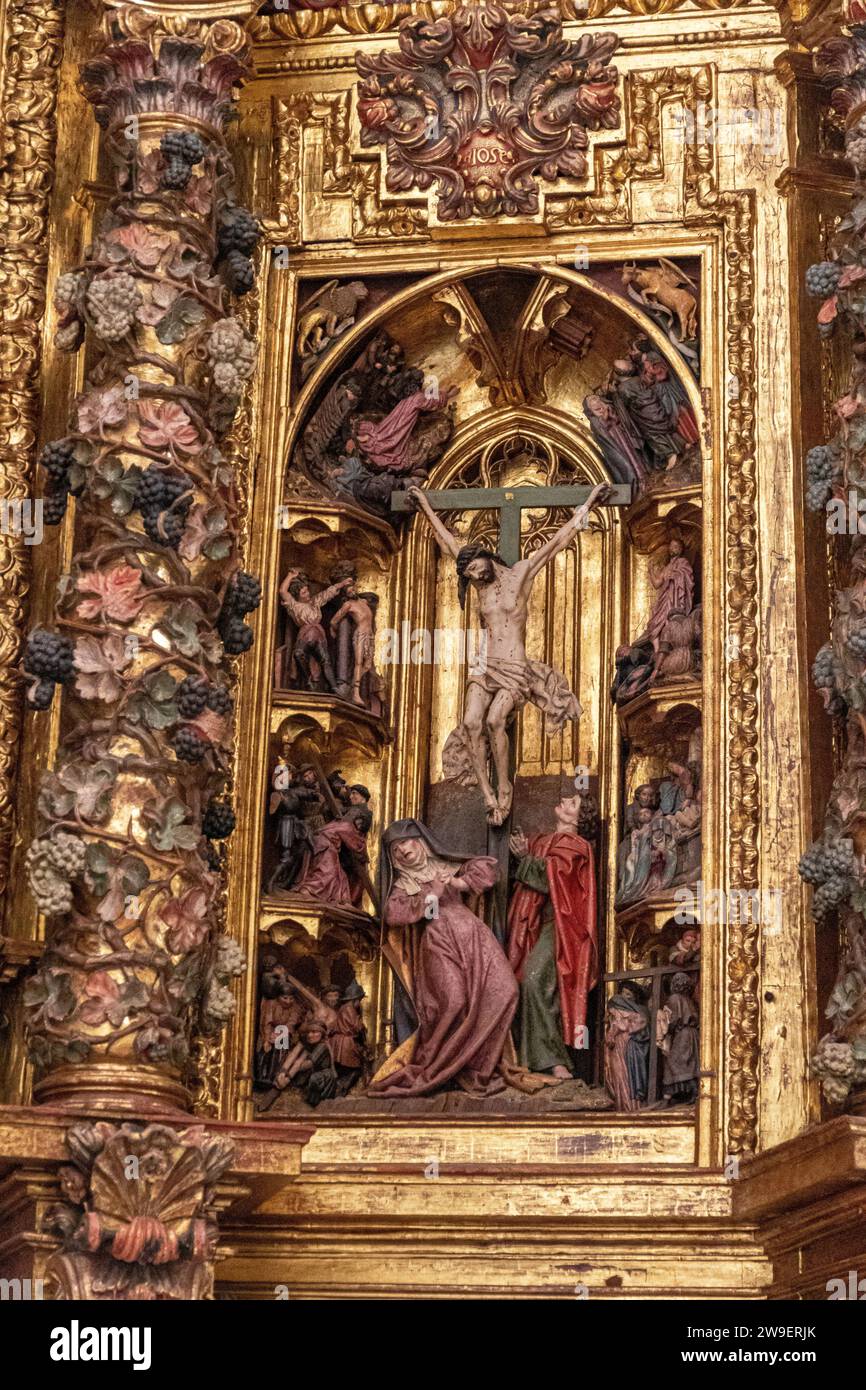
(564, 535)
(448, 544)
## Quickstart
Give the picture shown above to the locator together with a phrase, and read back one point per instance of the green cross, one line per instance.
(509, 503)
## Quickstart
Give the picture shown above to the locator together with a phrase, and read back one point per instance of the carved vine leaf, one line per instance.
(154, 703)
(170, 827)
(118, 485)
(483, 103)
(835, 866)
(206, 533)
(107, 1001)
(167, 426)
(102, 409)
(181, 625)
(51, 995)
(114, 878)
(117, 594)
(100, 664)
(79, 789)
(184, 314)
(187, 918)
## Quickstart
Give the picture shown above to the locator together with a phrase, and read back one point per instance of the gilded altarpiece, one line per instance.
(660, 189)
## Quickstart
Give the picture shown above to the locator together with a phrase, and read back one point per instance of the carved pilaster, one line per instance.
(33, 41)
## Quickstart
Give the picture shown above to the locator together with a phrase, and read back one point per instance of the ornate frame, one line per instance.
(720, 224)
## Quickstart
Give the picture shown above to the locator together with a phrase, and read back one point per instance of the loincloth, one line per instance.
(364, 644)
(529, 682)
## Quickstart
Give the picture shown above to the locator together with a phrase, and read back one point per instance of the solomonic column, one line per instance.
(154, 611)
(834, 864)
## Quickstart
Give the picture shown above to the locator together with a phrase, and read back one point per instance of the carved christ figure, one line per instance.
(506, 680)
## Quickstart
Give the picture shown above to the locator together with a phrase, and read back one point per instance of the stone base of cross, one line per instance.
(509, 503)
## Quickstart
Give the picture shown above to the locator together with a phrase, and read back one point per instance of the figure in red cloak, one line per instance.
(450, 964)
(553, 941)
(323, 875)
(387, 443)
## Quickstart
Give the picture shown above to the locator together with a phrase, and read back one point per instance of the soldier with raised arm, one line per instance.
(507, 679)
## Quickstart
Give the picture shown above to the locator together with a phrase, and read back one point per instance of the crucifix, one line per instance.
(504, 679)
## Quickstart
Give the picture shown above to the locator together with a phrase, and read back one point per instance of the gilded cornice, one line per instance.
(363, 20)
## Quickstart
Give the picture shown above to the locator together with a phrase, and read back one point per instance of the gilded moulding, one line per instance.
(365, 19)
(33, 40)
(724, 223)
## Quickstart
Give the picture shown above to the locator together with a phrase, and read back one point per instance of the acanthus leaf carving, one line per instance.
(137, 1220)
(483, 103)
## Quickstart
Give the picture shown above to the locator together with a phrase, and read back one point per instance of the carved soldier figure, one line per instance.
(348, 1038)
(314, 803)
(508, 679)
(311, 654)
(288, 799)
(678, 1027)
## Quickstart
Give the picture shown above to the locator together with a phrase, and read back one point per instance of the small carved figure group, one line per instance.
(379, 427)
(631, 1031)
(642, 421)
(662, 846)
(463, 992)
(313, 1043)
(332, 640)
(669, 648)
(319, 857)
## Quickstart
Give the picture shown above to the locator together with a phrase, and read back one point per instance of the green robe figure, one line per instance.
(552, 941)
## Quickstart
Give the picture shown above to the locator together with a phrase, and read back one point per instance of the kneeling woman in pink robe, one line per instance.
(462, 987)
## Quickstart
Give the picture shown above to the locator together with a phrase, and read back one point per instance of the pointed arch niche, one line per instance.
(520, 347)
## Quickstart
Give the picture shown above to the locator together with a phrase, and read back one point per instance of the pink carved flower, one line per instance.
(144, 246)
(100, 409)
(375, 112)
(117, 593)
(166, 425)
(186, 918)
(850, 275)
(847, 406)
(829, 309)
